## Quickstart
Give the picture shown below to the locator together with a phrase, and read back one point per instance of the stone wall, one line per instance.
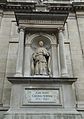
(8, 54)
(75, 34)
(74, 43)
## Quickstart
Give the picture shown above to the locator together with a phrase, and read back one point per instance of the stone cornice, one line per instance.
(44, 17)
(26, 7)
(39, 15)
(78, 6)
(51, 7)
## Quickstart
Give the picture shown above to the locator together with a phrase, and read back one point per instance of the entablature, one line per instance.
(45, 7)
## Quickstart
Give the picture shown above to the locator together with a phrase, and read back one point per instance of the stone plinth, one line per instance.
(44, 116)
(42, 97)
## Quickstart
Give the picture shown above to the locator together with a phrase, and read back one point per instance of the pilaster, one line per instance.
(62, 54)
(19, 64)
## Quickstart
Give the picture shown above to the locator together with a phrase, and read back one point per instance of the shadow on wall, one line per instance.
(2, 1)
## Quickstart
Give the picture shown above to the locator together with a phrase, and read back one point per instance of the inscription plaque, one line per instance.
(43, 96)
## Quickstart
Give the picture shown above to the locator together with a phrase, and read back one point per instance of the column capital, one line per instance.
(60, 29)
(20, 56)
(21, 28)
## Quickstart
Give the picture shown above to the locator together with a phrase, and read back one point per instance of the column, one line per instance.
(27, 64)
(19, 64)
(54, 60)
(63, 64)
(1, 15)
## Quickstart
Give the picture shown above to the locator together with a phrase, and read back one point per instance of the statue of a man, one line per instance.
(41, 61)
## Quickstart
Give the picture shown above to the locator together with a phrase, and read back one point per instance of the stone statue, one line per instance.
(41, 61)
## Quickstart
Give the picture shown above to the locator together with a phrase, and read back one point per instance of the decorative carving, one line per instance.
(41, 61)
(21, 28)
(40, 1)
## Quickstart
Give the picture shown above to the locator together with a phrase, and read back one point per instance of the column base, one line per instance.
(18, 75)
(64, 75)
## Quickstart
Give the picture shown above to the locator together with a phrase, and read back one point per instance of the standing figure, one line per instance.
(41, 61)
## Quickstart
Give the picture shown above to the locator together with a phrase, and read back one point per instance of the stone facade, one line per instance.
(74, 53)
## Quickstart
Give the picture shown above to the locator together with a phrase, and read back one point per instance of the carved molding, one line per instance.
(52, 7)
(44, 80)
(47, 36)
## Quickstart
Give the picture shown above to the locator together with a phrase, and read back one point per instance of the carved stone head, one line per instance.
(41, 43)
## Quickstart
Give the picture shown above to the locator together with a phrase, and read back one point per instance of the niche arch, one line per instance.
(51, 38)
(50, 43)
(38, 69)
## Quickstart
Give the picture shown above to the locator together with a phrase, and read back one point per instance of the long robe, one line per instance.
(41, 61)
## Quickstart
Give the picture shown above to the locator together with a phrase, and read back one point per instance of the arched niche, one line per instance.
(51, 38)
(50, 43)
(43, 69)
(35, 42)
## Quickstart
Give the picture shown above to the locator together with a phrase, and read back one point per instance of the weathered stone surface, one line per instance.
(2, 76)
(74, 50)
(76, 55)
(43, 116)
(11, 58)
(68, 59)
(4, 58)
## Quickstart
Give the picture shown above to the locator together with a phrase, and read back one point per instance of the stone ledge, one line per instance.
(4, 108)
(41, 79)
(80, 105)
(52, 7)
(44, 116)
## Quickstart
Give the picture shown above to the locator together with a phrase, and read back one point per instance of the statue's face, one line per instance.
(41, 43)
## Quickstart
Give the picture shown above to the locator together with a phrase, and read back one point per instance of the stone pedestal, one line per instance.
(42, 98)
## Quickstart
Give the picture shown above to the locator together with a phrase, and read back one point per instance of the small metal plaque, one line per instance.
(42, 96)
